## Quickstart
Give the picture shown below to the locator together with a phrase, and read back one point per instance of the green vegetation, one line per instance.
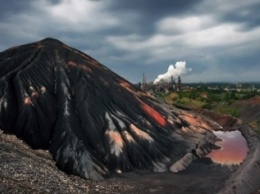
(220, 100)
(218, 97)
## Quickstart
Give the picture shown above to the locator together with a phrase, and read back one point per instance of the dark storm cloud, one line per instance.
(247, 16)
(215, 38)
(142, 15)
(244, 13)
(12, 7)
(154, 9)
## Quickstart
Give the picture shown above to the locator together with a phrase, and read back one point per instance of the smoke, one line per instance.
(173, 70)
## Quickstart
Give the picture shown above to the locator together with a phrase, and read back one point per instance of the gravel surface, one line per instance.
(24, 170)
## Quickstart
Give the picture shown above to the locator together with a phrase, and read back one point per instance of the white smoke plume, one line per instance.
(173, 70)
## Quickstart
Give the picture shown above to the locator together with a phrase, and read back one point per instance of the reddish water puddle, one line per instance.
(233, 148)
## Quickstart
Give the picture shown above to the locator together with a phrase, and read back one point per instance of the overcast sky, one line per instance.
(218, 39)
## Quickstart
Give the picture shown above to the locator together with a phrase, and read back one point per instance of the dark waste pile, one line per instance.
(94, 124)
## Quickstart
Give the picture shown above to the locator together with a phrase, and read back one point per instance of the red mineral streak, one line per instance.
(154, 114)
(115, 137)
(125, 84)
(71, 64)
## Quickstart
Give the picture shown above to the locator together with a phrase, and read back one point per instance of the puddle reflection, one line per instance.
(233, 148)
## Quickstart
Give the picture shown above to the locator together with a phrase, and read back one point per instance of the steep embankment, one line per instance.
(94, 122)
(246, 179)
(249, 111)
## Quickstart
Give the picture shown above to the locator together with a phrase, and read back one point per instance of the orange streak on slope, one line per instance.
(71, 64)
(116, 138)
(125, 84)
(154, 114)
(148, 109)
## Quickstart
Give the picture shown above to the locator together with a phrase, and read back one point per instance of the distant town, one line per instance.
(220, 97)
(175, 85)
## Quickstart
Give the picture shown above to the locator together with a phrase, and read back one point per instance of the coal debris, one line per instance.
(94, 122)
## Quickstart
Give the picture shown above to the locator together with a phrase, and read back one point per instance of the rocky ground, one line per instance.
(23, 170)
(95, 123)
(246, 178)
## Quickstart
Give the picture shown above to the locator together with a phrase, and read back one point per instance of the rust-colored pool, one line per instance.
(233, 148)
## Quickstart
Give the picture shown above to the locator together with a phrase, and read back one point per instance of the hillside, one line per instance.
(249, 112)
(67, 120)
(242, 105)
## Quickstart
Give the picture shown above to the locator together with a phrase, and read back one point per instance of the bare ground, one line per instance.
(23, 170)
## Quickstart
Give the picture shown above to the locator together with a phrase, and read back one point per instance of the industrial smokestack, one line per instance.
(173, 71)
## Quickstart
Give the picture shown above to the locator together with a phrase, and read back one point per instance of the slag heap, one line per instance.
(94, 122)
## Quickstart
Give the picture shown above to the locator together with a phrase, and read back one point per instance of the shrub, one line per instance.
(208, 106)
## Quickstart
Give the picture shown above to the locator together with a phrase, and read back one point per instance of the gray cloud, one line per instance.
(153, 9)
(217, 39)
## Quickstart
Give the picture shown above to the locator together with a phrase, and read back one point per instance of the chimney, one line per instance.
(144, 82)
